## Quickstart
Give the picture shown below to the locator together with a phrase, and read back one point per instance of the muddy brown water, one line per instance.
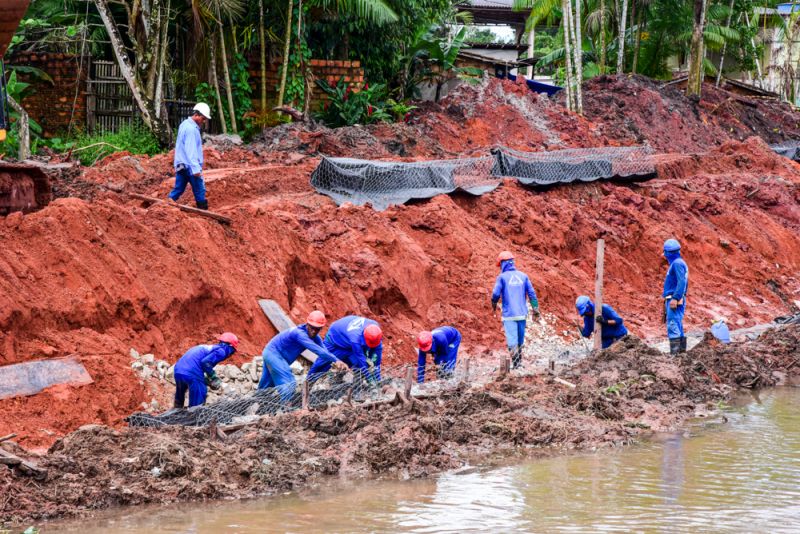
(738, 472)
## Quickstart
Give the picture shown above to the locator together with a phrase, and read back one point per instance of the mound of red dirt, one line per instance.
(96, 277)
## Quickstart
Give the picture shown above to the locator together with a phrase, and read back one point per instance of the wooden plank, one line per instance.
(29, 378)
(8, 437)
(23, 465)
(598, 293)
(188, 209)
(281, 321)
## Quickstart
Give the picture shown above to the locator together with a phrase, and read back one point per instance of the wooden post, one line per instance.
(466, 370)
(305, 394)
(409, 382)
(598, 292)
(504, 368)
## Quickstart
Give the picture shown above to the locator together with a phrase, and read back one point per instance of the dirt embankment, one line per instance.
(621, 395)
(96, 274)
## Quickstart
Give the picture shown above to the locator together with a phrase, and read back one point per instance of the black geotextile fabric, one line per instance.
(384, 183)
(790, 149)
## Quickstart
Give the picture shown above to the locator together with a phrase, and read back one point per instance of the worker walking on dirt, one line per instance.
(513, 287)
(442, 343)
(611, 324)
(194, 371)
(676, 285)
(283, 349)
(356, 341)
(189, 156)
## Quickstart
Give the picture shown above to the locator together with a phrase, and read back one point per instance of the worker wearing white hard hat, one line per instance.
(189, 156)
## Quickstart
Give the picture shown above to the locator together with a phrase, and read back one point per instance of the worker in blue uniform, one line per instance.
(442, 343)
(194, 371)
(514, 288)
(676, 285)
(356, 341)
(283, 349)
(612, 327)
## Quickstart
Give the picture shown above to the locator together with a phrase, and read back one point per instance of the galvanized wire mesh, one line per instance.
(789, 149)
(384, 183)
(326, 389)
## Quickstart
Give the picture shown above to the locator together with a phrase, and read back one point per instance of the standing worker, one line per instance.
(513, 287)
(195, 369)
(611, 324)
(676, 285)
(283, 349)
(443, 343)
(189, 156)
(356, 341)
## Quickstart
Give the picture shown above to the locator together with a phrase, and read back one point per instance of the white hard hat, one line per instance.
(203, 109)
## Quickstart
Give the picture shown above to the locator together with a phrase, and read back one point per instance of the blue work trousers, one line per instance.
(515, 333)
(277, 374)
(675, 320)
(198, 391)
(184, 177)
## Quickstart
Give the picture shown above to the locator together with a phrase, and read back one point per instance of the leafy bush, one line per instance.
(346, 106)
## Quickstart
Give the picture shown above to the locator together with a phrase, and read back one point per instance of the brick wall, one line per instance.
(51, 105)
(322, 69)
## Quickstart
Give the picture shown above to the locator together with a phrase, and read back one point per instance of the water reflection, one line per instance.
(739, 476)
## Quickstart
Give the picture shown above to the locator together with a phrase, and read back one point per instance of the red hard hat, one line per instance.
(231, 339)
(503, 256)
(425, 341)
(317, 319)
(373, 335)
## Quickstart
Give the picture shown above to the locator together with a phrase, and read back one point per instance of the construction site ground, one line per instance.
(97, 273)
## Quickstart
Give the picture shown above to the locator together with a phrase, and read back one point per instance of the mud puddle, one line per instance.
(736, 472)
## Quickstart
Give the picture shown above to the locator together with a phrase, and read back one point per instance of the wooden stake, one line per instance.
(8, 437)
(409, 382)
(504, 367)
(564, 382)
(598, 293)
(305, 394)
(466, 369)
(188, 209)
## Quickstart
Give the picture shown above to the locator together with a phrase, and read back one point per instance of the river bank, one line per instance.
(621, 395)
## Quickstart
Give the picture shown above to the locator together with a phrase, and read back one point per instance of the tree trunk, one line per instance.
(228, 89)
(531, 48)
(758, 63)
(159, 126)
(602, 36)
(578, 49)
(565, 10)
(215, 84)
(724, 45)
(694, 86)
(621, 46)
(638, 44)
(24, 129)
(263, 43)
(162, 61)
(286, 44)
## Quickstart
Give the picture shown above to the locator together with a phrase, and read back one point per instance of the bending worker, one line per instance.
(356, 341)
(513, 287)
(189, 156)
(283, 349)
(443, 344)
(611, 324)
(676, 285)
(195, 369)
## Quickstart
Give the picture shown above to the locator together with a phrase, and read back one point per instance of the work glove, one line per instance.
(535, 306)
(339, 365)
(215, 384)
(673, 304)
(601, 320)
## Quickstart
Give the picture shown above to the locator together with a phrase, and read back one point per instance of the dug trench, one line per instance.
(620, 396)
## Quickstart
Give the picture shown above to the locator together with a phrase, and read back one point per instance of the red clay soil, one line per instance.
(621, 395)
(94, 275)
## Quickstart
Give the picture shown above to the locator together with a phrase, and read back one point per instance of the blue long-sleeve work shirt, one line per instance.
(608, 333)
(446, 340)
(513, 287)
(345, 340)
(291, 343)
(676, 283)
(189, 147)
(201, 359)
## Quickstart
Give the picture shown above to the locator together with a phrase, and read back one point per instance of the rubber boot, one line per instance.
(203, 205)
(683, 343)
(516, 357)
(674, 345)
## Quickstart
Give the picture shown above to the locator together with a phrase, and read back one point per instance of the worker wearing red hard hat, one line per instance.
(357, 341)
(442, 343)
(514, 288)
(194, 371)
(283, 349)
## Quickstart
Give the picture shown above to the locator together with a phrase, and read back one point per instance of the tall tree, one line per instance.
(694, 85)
(623, 17)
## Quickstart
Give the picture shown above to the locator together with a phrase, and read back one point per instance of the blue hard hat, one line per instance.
(671, 245)
(583, 304)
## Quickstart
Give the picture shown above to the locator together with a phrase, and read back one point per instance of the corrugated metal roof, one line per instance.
(492, 4)
(786, 9)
